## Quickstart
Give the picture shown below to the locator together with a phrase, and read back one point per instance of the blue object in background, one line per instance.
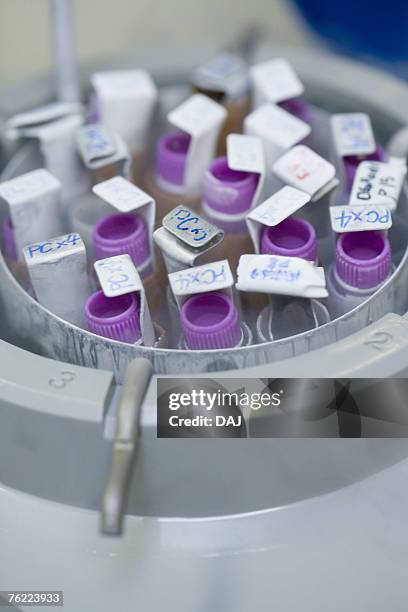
(378, 28)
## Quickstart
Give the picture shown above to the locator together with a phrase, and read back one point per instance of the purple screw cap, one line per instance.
(171, 156)
(351, 163)
(228, 191)
(116, 317)
(9, 243)
(292, 237)
(210, 321)
(297, 107)
(119, 234)
(363, 259)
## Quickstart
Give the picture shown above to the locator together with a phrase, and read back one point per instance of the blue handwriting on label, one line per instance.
(96, 141)
(42, 248)
(206, 276)
(117, 277)
(277, 270)
(355, 128)
(384, 186)
(191, 223)
(356, 216)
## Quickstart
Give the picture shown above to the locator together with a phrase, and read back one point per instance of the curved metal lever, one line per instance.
(114, 499)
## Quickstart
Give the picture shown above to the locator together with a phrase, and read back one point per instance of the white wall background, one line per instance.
(112, 27)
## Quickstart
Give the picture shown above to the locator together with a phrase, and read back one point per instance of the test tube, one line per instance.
(166, 183)
(287, 316)
(225, 79)
(124, 101)
(228, 195)
(362, 265)
(293, 237)
(127, 233)
(211, 321)
(117, 317)
(276, 82)
(84, 216)
(351, 163)
(58, 274)
(123, 233)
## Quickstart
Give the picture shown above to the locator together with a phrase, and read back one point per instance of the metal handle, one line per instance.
(115, 495)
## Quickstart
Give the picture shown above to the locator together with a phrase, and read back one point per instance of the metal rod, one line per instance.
(115, 495)
(65, 67)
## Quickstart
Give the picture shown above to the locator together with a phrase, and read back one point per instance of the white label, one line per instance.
(379, 183)
(304, 169)
(220, 67)
(359, 218)
(224, 73)
(279, 206)
(281, 275)
(58, 275)
(124, 84)
(275, 125)
(126, 100)
(57, 142)
(275, 209)
(117, 275)
(196, 115)
(245, 153)
(201, 279)
(29, 186)
(122, 194)
(276, 80)
(100, 147)
(201, 118)
(190, 228)
(52, 250)
(95, 142)
(353, 134)
(34, 200)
